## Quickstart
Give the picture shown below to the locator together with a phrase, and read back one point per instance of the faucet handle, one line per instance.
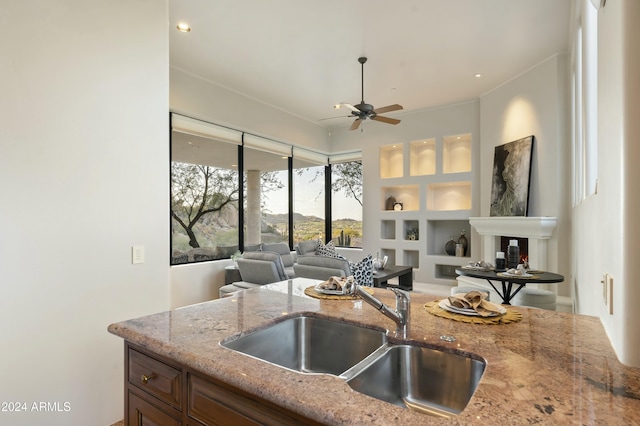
(404, 294)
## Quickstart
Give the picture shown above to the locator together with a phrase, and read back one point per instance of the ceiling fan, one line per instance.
(362, 111)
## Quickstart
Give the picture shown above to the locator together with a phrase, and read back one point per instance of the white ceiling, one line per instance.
(301, 56)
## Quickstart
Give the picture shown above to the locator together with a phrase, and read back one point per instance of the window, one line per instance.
(204, 192)
(308, 201)
(346, 203)
(266, 205)
(584, 106)
(232, 191)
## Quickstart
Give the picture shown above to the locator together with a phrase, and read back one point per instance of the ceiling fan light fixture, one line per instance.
(363, 110)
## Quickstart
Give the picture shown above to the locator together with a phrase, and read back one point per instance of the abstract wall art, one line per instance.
(511, 178)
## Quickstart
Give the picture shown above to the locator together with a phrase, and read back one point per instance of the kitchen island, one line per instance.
(549, 368)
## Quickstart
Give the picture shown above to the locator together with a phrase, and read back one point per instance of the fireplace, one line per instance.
(535, 230)
(523, 244)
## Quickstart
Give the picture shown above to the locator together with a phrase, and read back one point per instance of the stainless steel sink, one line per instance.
(428, 380)
(419, 378)
(310, 345)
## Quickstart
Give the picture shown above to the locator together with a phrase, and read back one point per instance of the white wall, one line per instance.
(534, 103)
(83, 177)
(607, 230)
(198, 98)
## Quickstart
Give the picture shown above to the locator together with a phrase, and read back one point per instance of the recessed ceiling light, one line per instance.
(184, 27)
(478, 75)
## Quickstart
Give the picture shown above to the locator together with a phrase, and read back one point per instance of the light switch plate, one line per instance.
(137, 254)
(609, 285)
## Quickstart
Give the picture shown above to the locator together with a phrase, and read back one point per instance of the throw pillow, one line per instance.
(363, 271)
(327, 250)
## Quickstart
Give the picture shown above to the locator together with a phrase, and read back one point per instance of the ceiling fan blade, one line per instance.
(388, 108)
(355, 124)
(385, 119)
(351, 107)
(339, 116)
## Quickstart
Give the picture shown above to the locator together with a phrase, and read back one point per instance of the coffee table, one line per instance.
(404, 274)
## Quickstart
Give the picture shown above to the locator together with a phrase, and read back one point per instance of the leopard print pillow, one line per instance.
(363, 271)
(328, 250)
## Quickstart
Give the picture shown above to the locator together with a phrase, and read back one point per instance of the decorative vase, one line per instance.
(464, 241)
(450, 247)
(388, 205)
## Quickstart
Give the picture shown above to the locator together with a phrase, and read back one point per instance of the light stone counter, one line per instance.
(550, 368)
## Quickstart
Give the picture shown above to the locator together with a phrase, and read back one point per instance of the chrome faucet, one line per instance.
(403, 306)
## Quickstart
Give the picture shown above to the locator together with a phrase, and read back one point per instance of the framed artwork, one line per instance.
(511, 178)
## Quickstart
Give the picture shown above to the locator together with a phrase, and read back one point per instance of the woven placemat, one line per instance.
(511, 315)
(309, 291)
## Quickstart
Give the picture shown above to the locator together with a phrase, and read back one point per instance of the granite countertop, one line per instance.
(550, 368)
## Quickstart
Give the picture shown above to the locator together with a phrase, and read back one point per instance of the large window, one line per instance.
(204, 196)
(308, 200)
(584, 106)
(346, 203)
(266, 206)
(232, 191)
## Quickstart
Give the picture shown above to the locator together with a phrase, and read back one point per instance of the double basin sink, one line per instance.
(419, 378)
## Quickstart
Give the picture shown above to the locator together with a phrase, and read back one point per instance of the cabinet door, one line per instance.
(141, 413)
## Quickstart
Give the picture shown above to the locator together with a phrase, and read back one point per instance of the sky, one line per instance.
(307, 202)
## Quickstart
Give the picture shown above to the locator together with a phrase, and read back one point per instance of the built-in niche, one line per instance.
(456, 153)
(449, 196)
(391, 161)
(422, 158)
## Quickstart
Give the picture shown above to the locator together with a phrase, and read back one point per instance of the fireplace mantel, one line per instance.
(514, 226)
(537, 230)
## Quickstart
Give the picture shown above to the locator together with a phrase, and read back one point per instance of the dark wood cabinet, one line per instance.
(161, 392)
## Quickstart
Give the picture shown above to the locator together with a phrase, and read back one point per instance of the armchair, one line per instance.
(256, 269)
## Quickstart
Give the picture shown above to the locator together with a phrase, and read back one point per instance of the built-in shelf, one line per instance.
(449, 196)
(446, 272)
(411, 258)
(439, 232)
(407, 195)
(391, 161)
(391, 253)
(432, 178)
(422, 157)
(388, 230)
(456, 154)
(411, 230)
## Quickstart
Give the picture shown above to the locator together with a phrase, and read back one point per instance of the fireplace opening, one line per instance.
(523, 244)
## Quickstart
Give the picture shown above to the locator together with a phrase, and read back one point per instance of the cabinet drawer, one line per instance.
(155, 377)
(217, 404)
(141, 413)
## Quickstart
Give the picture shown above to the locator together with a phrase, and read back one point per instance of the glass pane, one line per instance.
(346, 204)
(266, 193)
(204, 199)
(308, 202)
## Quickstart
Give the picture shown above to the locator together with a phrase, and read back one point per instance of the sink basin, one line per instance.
(310, 345)
(428, 380)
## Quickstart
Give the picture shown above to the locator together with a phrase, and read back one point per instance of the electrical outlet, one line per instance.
(137, 254)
